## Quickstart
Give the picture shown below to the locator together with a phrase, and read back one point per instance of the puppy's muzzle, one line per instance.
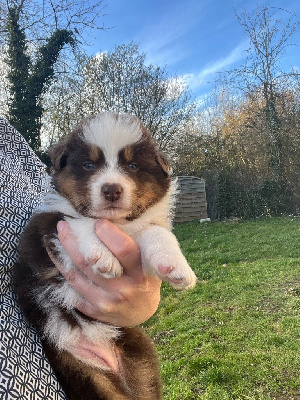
(111, 192)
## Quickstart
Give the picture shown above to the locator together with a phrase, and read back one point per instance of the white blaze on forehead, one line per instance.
(112, 133)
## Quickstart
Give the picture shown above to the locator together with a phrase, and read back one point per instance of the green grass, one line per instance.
(237, 334)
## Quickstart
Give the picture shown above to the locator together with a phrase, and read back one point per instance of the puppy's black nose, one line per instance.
(111, 192)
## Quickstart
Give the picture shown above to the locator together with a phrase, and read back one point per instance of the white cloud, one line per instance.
(163, 41)
(195, 81)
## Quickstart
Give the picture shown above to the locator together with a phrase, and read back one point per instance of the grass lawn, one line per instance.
(237, 334)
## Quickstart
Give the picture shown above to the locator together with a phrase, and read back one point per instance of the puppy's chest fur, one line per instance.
(107, 168)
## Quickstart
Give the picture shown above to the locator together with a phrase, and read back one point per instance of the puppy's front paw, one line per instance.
(174, 269)
(105, 263)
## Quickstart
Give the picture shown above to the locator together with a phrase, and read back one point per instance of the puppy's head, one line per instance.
(109, 167)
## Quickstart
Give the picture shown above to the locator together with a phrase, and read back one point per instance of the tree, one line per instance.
(4, 85)
(29, 80)
(32, 66)
(122, 81)
(245, 138)
(226, 143)
(269, 38)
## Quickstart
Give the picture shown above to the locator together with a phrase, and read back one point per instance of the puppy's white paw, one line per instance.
(173, 269)
(105, 263)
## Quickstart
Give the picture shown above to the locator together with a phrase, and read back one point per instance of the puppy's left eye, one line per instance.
(88, 166)
(133, 166)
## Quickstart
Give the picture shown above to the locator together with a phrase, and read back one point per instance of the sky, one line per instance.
(193, 39)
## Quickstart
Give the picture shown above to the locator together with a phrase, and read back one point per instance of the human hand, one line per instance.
(125, 301)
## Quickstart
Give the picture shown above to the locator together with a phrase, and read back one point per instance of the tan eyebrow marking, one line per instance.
(128, 153)
(94, 153)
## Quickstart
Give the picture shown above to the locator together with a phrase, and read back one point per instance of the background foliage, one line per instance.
(246, 136)
(243, 138)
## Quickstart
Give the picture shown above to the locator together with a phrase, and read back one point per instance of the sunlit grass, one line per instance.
(237, 334)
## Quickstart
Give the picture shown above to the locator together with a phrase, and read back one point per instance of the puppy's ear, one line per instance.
(58, 156)
(160, 157)
(163, 162)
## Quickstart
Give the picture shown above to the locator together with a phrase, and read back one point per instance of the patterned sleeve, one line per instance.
(24, 370)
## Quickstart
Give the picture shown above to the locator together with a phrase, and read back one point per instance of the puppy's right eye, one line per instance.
(133, 166)
(88, 166)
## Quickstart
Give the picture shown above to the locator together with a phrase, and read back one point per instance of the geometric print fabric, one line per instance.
(24, 370)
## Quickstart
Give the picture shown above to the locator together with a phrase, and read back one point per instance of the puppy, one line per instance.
(108, 167)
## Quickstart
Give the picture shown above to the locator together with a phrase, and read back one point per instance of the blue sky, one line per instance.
(192, 38)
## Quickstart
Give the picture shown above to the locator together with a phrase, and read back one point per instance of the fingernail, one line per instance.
(61, 225)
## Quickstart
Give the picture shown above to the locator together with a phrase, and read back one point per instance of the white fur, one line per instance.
(92, 249)
(112, 134)
(110, 176)
(63, 335)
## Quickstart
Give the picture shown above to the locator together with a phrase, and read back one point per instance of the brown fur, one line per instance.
(139, 379)
(153, 169)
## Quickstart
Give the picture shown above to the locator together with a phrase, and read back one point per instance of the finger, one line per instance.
(108, 313)
(93, 297)
(70, 244)
(96, 302)
(87, 309)
(121, 245)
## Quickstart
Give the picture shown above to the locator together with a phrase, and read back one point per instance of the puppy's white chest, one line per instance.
(92, 249)
(84, 230)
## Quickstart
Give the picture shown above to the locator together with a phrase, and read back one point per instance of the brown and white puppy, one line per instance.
(108, 167)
